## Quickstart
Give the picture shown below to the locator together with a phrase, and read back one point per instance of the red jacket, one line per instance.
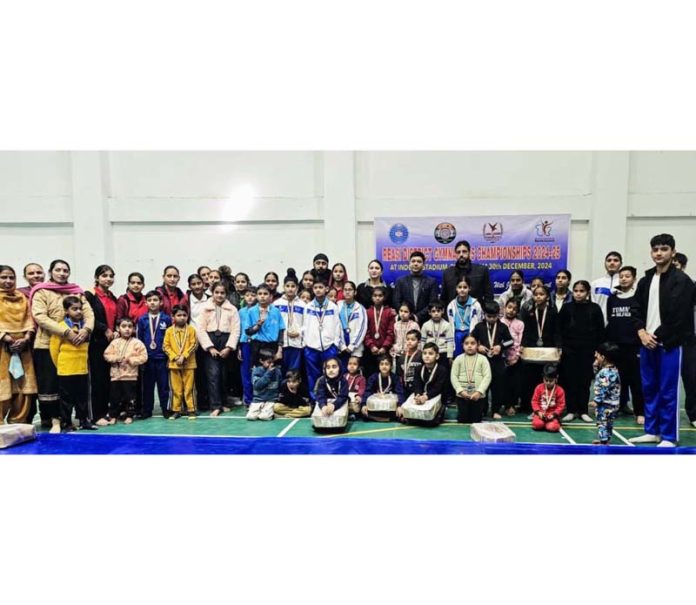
(356, 384)
(169, 300)
(553, 408)
(386, 329)
(128, 306)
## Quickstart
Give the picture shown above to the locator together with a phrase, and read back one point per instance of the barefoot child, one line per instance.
(470, 377)
(291, 403)
(607, 391)
(428, 387)
(513, 374)
(356, 385)
(180, 343)
(125, 354)
(548, 402)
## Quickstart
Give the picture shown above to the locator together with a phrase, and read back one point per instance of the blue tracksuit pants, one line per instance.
(659, 371)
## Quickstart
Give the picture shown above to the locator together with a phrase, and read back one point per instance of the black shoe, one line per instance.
(87, 425)
(68, 429)
(626, 411)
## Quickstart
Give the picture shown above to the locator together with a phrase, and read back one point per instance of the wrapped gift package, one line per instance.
(492, 432)
(541, 355)
(12, 434)
(337, 420)
(382, 402)
(426, 411)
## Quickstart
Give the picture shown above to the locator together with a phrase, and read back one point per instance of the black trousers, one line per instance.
(513, 384)
(497, 388)
(100, 380)
(200, 380)
(628, 365)
(576, 378)
(688, 374)
(216, 372)
(470, 411)
(74, 393)
(123, 398)
(47, 379)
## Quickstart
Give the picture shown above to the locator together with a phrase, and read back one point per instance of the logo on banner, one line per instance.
(544, 231)
(445, 233)
(492, 232)
(398, 233)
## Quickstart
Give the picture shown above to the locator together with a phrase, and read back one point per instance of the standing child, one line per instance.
(526, 307)
(244, 354)
(513, 366)
(494, 339)
(70, 361)
(197, 297)
(410, 362)
(266, 379)
(339, 278)
(380, 330)
(404, 324)
(382, 382)
(150, 330)
(331, 396)
(125, 354)
(428, 387)
(180, 343)
(607, 391)
(440, 331)
(354, 323)
(292, 310)
(548, 402)
(306, 296)
(470, 378)
(271, 281)
(169, 291)
(291, 403)
(356, 385)
(463, 313)
(265, 325)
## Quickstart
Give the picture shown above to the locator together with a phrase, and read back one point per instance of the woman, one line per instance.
(16, 331)
(272, 280)
(241, 283)
(46, 302)
(516, 291)
(132, 304)
(375, 269)
(104, 305)
(33, 274)
(170, 292)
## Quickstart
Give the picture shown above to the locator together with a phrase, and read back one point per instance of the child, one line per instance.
(306, 296)
(271, 280)
(331, 396)
(266, 380)
(125, 354)
(470, 378)
(403, 325)
(71, 364)
(463, 313)
(197, 297)
(428, 385)
(291, 403)
(356, 385)
(383, 382)
(339, 278)
(171, 295)
(353, 321)
(332, 295)
(323, 335)
(265, 325)
(218, 334)
(244, 355)
(439, 331)
(132, 304)
(292, 310)
(526, 307)
(562, 294)
(409, 364)
(180, 344)
(150, 330)
(548, 402)
(513, 374)
(214, 277)
(607, 391)
(307, 283)
(380, 330)
(494, 339)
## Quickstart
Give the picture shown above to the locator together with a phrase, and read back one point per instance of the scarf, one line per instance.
(14, 312)
(66, 289)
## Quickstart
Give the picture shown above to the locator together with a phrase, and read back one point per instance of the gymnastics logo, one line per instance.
(543, 228)
(445, 233)
(492, 232)
(398, 233)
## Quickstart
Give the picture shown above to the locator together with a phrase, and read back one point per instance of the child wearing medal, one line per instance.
(125, 354)
(353, 321)
(548, 402)
(292, 310)
(470, 378)
(494, 339)
(180, 343)
(383, 382)
(330, 393)
(150, 330)
(409, 363)
(464, 312)
(380, 330)
(513, 380)
(356, 385)
(429, 382)
(404, 324)
(244, 354)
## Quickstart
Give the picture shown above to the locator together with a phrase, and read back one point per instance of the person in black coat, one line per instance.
(416, 289)
(375, 270)
(479, 278)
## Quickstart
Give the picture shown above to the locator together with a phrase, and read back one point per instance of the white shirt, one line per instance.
(654, 321)
(293, 315)
(602, 287)
(322, 326)
(196, 307)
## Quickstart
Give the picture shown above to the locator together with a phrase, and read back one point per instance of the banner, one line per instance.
(536, 244)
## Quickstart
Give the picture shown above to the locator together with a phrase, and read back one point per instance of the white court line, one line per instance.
(567, 436)
(97, 434)
(287, 428)
(626, 441)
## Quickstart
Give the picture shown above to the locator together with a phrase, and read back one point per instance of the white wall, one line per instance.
(258, 211)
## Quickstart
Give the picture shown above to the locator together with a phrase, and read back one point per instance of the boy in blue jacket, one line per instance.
(266, 380)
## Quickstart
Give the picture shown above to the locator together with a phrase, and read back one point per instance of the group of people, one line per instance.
(324, 347)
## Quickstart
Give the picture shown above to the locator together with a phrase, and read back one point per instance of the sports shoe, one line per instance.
(87, 425)
(586, 418)
(530, 416)
(568, 418)
(665, 443)
(647, 438)
(626, 411)
(174, 416)
(693, 423)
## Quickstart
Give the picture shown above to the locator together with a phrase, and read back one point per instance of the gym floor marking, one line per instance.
(567, 437)
(626, 441)
(287, 428)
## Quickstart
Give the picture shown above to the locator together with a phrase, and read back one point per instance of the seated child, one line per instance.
(125, 354)
(410, 361)
(291, 403)
(607, 391)
(548, 402)
(266, 380)
(356, 385)
(470, 378)
(383, 382)
(428, 386)
(180, 343)
(330, 414)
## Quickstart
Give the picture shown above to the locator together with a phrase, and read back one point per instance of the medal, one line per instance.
(540, 326)
(378, 321)
(470, 369)
(463, 316)
(491, 337)
(540, 343)
(153, 345)
(153, 329)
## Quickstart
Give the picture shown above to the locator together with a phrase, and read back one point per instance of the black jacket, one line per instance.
(403, 291)
(676, 307)
(551, 335)
(364, 295)
(99, 334)
(581, 326)
(481, 288)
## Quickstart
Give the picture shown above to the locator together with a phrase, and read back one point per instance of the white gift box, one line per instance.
(12, 434)
(382, 402)
(540, 355)
(337, 420)
(425, 411)
(492, 432)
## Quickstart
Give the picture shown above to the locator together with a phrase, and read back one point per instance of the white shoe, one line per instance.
(665, 443)
(694, 424)
(568, 418)
(647, 438)
(586, 418)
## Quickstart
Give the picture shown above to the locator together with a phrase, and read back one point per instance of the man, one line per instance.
(602, 287)
(663, 316)
(688, 369)
(320, 269)
(481, 287)
(416, 289)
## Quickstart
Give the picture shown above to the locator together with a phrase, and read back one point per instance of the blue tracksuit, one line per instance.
(156, 373)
